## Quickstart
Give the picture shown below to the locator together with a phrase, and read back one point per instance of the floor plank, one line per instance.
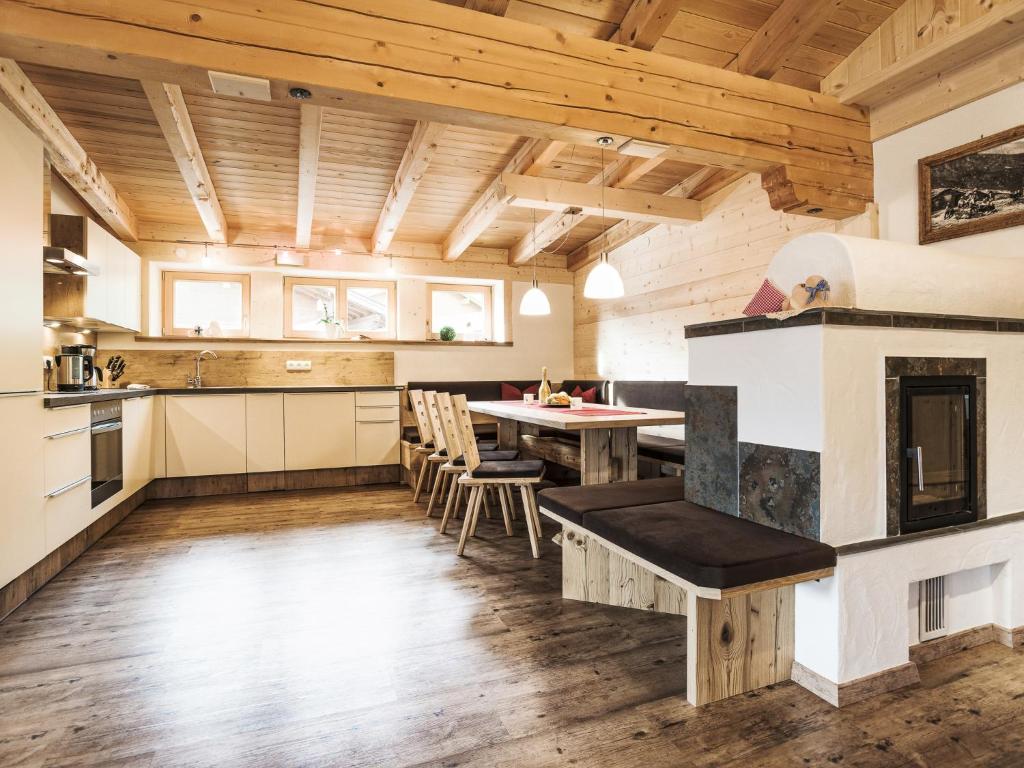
(337, 628)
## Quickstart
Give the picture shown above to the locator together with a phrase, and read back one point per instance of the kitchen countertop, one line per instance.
(63, 399)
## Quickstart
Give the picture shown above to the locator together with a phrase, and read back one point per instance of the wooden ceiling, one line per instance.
(251, 148)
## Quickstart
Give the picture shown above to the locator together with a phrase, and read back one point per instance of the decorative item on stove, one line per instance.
(544, 392)
(812, 292)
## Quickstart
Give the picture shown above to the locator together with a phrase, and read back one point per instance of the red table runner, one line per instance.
(584, 411)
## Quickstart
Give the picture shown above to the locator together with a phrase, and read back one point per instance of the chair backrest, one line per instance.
(467, 438)
(449, 425)
(440, 443)
(419, 410)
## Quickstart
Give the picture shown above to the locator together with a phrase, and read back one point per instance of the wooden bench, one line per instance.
(640, 545)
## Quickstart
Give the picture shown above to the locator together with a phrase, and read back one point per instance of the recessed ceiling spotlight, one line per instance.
(300, 93)
(605, 141)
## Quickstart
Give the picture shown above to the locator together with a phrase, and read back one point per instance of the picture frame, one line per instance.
(976, 187)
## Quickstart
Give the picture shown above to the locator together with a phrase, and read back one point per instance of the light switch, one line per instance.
(299, 365)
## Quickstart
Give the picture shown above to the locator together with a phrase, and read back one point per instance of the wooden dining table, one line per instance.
(607, 433)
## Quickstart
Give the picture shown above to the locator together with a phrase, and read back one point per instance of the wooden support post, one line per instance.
(508, 435)
(623, 454)
(595, 449)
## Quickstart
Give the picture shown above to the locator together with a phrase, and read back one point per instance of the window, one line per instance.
(466, 308)
(314, 307)
(217, 303)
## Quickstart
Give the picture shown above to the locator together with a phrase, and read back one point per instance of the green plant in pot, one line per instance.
(447, 333)
(332, 327)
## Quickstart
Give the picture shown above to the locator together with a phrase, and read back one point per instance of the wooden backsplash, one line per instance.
(244, 368)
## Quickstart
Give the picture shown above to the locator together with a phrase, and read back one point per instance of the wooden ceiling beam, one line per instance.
(791, 25)
(532, 156)
(171, 113)
(418, 154)
(65, 154)
(310, 119)
(645, 23)
(595, 200)
(512, 77)
(876, 72)
(493, 7)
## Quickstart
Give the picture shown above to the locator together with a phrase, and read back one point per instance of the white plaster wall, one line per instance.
(896, 159)
(779, 378)
(853, 459)
(863, 620)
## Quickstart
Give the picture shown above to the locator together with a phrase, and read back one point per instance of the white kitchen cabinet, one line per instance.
(264, 432)
(371, 399)
(137, 414)
(377, 442)
(22, 525)
(21, 286)
(205, 435)
(132, 290)
(320, 430)
(67, 511)
(159, 446)
(67, 458)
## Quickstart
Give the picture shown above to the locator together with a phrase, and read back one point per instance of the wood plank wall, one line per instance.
(676, 276)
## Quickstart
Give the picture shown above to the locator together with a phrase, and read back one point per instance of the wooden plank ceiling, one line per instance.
(251, 148)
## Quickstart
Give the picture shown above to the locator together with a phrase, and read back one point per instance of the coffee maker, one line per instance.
(76, 368)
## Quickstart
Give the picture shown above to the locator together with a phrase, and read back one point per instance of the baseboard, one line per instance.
(24, 586)
(258, 482)
(844, 694)
(1011, 637)
(930, 650)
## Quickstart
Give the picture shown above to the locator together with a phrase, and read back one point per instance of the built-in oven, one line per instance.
(107, 456)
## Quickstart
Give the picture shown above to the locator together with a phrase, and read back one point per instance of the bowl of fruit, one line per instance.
(558, 400)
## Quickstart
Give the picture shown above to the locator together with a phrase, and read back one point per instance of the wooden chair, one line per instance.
(417, 398)
(450, 448)
(502, 475)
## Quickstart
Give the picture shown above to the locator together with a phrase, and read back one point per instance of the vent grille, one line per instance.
(933, 606)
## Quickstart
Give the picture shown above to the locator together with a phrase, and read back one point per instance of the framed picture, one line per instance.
(978, 187)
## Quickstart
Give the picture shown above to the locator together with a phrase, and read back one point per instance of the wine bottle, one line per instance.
(545, 387)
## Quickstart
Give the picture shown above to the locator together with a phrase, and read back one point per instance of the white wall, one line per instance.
(896, 179)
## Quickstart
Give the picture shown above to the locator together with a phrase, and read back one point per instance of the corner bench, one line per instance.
(639, 544)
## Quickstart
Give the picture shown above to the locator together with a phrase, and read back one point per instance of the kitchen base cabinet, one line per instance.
(377, 442)
(22, 528)
(264, 432)
(67, 512)
(205, 435)
(137, 414)
(320, 430)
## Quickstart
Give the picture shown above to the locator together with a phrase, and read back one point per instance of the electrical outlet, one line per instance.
(299, 365)
(48, 361)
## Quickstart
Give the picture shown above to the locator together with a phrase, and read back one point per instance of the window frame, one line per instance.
(484, 288)
(170, 277)
(341, 286)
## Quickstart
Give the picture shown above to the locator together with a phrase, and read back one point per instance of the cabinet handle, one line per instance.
(60, 435)
(66, 488)
(378, 421)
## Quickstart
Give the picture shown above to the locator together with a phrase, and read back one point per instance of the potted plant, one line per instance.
(447, 333)
(332, 327)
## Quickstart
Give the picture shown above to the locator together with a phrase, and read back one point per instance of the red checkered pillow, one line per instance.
(767, 299)
(588, 395)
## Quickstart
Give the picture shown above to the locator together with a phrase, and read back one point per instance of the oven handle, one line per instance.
(66, 488)
(60, 435)
(111, 426)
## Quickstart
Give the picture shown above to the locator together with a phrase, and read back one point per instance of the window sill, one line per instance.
(340, 342)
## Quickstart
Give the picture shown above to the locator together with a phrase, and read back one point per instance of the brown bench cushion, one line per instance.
(661, 448)
(573, 503)
(706, 547)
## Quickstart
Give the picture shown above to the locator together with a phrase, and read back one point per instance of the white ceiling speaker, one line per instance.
(226, 84)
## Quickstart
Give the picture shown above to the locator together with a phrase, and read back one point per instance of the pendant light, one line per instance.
(604, 280)
(535, 301)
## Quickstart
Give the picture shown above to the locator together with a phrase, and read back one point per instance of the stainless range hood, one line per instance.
(61, 261)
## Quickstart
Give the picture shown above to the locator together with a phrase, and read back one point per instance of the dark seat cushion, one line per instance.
(487, 445)
(661, 448)
(661, 395)
(495, 469)
(706, 547)
(573, 503)
(490, 456)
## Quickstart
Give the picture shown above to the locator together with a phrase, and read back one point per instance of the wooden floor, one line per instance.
(339, 629)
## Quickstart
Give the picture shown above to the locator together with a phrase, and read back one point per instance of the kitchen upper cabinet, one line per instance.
(320, 430)
(22, 525)
(264, 432)
(111, 298)
(21, 287)
(205, 435)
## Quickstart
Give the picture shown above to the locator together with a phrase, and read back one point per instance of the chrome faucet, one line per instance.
(196, 382)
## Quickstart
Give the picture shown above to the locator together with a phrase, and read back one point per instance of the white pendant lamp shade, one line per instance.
(534, 302)
(604, 281)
